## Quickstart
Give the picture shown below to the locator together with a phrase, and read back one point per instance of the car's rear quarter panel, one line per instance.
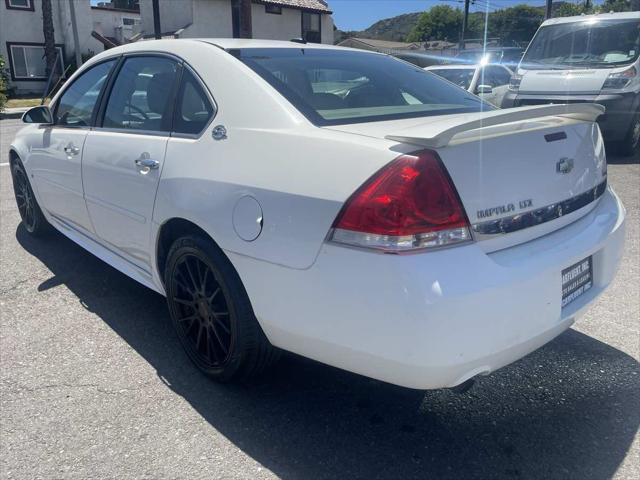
(300, 174)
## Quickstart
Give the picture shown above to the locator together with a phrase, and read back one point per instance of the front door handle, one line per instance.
(144, 162)
(71, 149)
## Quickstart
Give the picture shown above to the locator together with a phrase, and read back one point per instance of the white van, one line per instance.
(590, 58)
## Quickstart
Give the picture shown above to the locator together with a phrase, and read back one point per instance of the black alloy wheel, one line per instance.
(212, 314)
(32, 217)
(201, 311)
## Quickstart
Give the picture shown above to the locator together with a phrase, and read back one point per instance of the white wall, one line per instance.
(25, 26)
(276, 27)
(108, 22)
(212, 18)
(326, 29)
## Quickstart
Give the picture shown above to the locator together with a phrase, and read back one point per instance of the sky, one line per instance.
(360, 14)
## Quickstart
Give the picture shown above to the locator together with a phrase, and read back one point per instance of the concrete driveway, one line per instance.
(93, 384)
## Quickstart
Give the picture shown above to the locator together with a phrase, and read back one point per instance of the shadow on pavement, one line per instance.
(569, 410)
(616, 159)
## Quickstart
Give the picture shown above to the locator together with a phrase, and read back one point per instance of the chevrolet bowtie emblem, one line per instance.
(564, 165)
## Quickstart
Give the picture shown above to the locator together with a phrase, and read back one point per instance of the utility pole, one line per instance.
(465, 18)
(157, 33)
(74, 28)
(547, 12)
(245, 19)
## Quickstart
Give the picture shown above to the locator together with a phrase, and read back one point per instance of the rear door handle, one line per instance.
(71, 149)
(147, 163)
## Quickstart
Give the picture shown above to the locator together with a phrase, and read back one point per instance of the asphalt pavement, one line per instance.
(94, 384)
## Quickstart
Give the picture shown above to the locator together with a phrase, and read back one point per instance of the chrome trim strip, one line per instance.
(520, 221)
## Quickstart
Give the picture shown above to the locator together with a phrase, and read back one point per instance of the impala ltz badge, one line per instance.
(564, 165)
(502, 209)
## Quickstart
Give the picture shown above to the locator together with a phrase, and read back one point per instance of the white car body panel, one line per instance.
(119, 194)
(58, 173)
(423, 320)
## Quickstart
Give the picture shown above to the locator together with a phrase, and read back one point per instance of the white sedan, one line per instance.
(489, 82)
(340, 204)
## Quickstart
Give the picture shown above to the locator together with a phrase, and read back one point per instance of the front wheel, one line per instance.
(211, 312)
(32, 217)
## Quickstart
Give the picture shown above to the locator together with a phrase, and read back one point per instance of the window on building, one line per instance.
(19, 4)
(275, 9)
(141, 97)
(311, 27)
(129, 21)
(28, 61)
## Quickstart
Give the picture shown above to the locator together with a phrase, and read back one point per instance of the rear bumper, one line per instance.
(614, 124)
(434, 319)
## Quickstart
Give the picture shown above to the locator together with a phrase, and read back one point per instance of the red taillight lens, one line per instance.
(409, 204)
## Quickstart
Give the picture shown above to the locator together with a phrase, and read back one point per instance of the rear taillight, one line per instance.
(410, 204)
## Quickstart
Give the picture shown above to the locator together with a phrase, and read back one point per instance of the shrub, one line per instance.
(3, 84)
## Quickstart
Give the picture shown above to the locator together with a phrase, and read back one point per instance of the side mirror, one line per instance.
(41, 114)
(484, 89)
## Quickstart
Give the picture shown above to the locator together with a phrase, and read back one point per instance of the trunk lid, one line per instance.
(517, 180)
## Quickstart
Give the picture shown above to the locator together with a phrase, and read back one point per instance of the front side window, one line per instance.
(141, 97)
(333, 87)
(593, 44)
(77, 103)
(28, 62)
(19, 4)
(193, 108)
(311, 27)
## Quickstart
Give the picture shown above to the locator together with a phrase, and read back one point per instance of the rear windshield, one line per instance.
(584, 44)
(460, 76)
(333, 87)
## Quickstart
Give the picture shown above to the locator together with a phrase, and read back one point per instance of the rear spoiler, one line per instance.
(441, 132)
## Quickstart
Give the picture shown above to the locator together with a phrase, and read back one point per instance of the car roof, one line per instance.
(458, 66)
(172, 45)
(590, 18)
(489, 49)
(232, 43)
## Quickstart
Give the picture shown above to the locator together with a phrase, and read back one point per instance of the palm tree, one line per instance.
(50, 52)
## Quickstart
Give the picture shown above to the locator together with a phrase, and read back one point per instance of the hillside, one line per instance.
(394, 28)
(398, 28)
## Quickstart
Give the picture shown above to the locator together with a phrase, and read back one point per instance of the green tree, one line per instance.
(3, 85)
(568, 10)
(50, 51)
(515, 24)
(618, 6)
(439, 23)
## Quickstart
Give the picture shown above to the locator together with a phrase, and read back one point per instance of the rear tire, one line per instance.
(631, 143)
(211, 312)
(32, 217)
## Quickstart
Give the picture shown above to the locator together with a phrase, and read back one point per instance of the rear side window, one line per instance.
(76, 105)
(193, 108)
(333, 87)
(142, 95)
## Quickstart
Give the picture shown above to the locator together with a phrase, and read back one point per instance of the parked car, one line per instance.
(590, 58)
(508, 56)
(420, 59)
(489, 82)
(340, 204)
